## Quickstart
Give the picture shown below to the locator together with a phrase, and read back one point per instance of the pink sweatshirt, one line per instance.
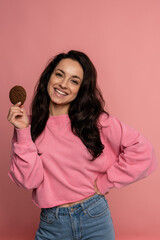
(57, 168)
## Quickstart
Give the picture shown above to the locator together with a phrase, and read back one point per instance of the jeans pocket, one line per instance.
(98, 208)
(47, 217)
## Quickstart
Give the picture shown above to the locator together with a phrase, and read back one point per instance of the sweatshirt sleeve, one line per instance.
(26, 169)
(132, 156)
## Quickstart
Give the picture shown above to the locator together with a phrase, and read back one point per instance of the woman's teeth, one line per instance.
(62, 93)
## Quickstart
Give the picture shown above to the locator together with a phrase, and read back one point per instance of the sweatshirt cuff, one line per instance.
(103, 183)
(23, 134)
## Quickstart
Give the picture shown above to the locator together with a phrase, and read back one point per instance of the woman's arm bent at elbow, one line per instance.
(133, 156)
(26, 168)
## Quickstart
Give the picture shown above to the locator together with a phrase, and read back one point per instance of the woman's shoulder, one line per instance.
(116, 129)
(106, 119)
(110, 124)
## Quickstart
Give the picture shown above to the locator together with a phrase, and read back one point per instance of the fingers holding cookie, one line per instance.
(15, 109)
(17, 116)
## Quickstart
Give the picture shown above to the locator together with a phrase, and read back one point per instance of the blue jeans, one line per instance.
(89, 220)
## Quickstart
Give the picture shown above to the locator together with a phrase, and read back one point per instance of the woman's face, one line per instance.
(64, 83)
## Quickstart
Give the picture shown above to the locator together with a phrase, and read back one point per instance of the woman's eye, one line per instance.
(75, 82)
(59, 74)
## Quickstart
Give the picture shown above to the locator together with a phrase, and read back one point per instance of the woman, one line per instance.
(71, 152)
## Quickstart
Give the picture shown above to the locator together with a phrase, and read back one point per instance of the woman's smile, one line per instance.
(60, 93)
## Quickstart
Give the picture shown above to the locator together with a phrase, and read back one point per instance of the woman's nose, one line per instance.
(63, 83)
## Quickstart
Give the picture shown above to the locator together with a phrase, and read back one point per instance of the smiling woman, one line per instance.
(68, 85)
(73, 152)
(64, 85)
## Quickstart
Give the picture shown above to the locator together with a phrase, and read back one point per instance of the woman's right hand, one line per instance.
(17, 116)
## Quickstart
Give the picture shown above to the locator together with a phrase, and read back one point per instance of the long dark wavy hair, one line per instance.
(84, 110)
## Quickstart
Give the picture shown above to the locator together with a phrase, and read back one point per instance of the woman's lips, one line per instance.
(60, 92)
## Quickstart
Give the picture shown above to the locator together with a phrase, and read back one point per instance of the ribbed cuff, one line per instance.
(23, 134)
(103, 183)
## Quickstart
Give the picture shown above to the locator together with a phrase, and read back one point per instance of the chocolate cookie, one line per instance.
(17, 94)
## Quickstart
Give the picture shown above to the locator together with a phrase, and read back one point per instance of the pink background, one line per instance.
(122, 38)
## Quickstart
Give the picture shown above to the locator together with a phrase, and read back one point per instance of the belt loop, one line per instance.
(82, 205)
(57, 209)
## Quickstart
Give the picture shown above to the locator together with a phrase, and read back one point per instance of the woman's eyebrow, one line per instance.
(75, 76)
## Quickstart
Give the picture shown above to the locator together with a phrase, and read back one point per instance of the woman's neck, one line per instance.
(56, 110)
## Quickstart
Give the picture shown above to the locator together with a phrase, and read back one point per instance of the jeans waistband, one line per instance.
(74, 208)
